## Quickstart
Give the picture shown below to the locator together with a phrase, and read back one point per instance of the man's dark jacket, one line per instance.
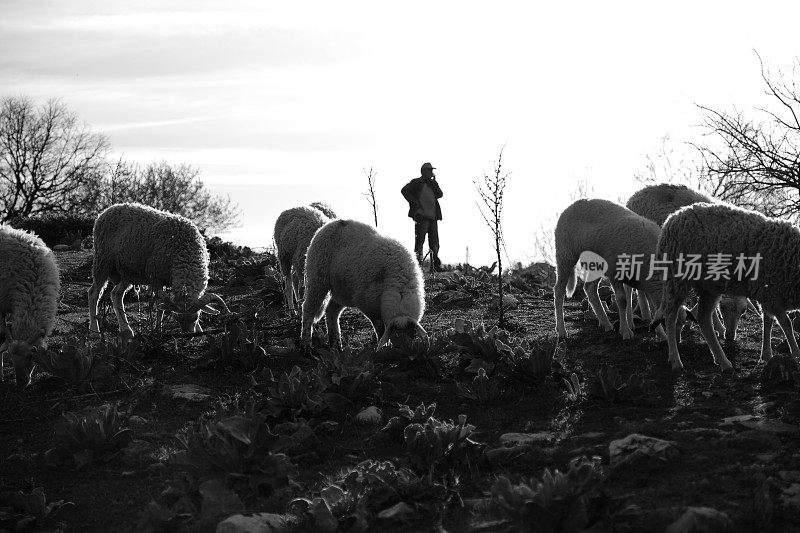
(411, 193)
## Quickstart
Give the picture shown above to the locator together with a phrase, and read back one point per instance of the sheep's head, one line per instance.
(22, 354)
(732, 309)
(401, 326)
(187, 310)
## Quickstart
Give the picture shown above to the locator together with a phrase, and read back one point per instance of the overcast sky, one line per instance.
(284, 103)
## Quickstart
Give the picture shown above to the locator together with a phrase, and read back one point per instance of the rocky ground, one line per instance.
(220, 432)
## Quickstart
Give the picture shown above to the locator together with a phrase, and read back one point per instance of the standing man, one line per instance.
(423, 195)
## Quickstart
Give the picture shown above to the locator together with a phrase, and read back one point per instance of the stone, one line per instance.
(519, 439)
(189, 393)
(701, 520)
(636, 446)
(400, 512)
(771, 425)
(450, 296)
(369, 415)
(61, 248)
(218, 498)
(137, 420)
(252, 523)
(790, 496)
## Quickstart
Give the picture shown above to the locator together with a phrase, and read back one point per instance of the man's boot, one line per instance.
(436, 264)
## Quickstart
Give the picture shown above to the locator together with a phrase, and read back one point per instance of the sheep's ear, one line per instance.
(166, 306)
(385, 337)
(3, 347)
(420, 330)
(752, 308)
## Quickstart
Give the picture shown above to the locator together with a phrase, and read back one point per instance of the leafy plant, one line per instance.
(89, 435)
(483, 389)
(611, 387)
(524, 364)
(72, 363)
(559, 502)
(352, 501)
(292, 394)
(574, 392)
(438, 443)
(348, 374)
(239, 345)
(18, 510)
(241, 448)
(421, 352)
(419, 415)
(478, 348)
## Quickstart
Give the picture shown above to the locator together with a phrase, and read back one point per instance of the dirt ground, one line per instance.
(743, 467)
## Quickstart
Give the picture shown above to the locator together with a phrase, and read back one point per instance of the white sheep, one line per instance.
(294, 230)
(136, 244)
(657, 202)
(29, 291)
(609, 230)
(349, 264)
(707, 229)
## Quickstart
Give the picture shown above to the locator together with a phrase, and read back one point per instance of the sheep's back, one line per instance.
(706, 229)
(657, 202)
(607, 229)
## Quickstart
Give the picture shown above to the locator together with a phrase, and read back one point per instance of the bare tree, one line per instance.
(491, 191)
(46, 155)
(758, 163)
(370, 194)
(173, 188)
(673, 162)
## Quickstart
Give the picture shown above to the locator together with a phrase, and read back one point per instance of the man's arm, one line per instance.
(436, 190)
(407, 193)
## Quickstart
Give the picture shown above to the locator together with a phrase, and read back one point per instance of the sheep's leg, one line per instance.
(117, 297)
(705, 309)
(94, 294)
(674, 296)
(629, 305)
(590, 290)
(644, 307)
(788, 330)
(332, 313)
(622, 308)
(719, 327)
(767, 320)
(378, 325)
(647, 301)
(314, 304)
(285, 266)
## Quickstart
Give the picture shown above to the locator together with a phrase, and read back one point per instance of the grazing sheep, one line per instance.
(707, 229)
(29, 291)
(657, 202)
(293, 232)
(350, 264)
(609, 230)
(136, 244)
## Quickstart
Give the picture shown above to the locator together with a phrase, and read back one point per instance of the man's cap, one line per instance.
(426, 165)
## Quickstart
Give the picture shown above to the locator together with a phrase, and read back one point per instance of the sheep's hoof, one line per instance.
(677, 366)
(607, 327)
(765, 357)
(561, 333)
(626, 334)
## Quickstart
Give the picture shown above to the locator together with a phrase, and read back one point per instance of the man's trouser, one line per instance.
(423, 227)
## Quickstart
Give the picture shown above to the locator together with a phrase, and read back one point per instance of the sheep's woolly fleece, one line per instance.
(294, 230)
(142, 245)
(609, 230)
(657, 202)
(363, 269)
(29, 283)
(722, 228)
